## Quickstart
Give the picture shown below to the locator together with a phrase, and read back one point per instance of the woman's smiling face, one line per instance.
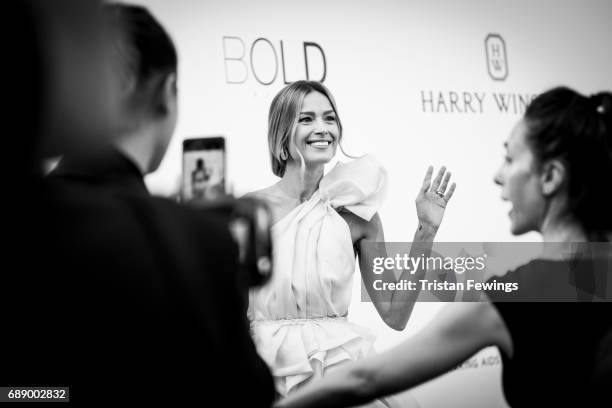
(316, 134)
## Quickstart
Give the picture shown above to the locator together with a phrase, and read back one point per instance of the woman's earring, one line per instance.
(283, 155)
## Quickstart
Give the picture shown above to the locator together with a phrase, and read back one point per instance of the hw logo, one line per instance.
(497, 58)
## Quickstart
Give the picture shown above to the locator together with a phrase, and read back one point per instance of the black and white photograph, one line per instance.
(289, 204)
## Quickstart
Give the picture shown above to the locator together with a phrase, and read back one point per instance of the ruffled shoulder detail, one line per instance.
(359, 185)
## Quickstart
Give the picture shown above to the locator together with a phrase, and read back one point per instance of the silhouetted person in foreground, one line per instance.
(120, 295)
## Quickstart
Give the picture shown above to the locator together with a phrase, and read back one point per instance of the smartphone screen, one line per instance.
(203, 169)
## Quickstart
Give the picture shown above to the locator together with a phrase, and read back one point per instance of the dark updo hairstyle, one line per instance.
(141, 46)
(565, 125)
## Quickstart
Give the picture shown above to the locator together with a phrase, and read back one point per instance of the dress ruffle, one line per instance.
(291, 346)
(360, 186)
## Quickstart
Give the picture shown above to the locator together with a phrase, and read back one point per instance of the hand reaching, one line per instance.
(433, 197)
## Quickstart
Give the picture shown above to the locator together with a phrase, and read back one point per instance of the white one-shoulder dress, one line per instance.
(299, 319)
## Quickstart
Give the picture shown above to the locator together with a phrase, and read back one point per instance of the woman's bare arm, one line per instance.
(395, 307)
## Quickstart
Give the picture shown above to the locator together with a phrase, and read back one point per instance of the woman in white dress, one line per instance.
(321, 225)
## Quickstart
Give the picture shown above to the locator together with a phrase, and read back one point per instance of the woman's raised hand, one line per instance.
(433, 197)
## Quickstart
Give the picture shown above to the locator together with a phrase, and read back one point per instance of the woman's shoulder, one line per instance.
(278, 204)
(262, 193)
(269, 194)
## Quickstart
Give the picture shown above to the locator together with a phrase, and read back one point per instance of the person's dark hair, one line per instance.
(141, 45)
(576, 129)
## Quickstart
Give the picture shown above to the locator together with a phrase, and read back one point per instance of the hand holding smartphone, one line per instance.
(248, 219)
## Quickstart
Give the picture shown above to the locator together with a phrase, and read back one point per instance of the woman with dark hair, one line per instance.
(322, 224)
(152, 299)
(556, 175)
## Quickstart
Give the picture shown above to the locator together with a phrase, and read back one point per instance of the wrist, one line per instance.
(425, 231)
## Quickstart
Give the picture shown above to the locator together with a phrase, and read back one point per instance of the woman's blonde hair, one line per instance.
(283, 119)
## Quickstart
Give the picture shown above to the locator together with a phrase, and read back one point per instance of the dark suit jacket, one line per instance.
(137, 298)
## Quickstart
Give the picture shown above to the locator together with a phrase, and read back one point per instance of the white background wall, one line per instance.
(380, 56)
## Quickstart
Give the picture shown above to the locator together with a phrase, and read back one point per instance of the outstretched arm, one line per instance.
(395, 307)
(453, 336)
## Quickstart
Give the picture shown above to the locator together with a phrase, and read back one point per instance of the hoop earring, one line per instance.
(283, 155)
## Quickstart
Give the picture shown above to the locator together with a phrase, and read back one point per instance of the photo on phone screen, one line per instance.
(203, 169)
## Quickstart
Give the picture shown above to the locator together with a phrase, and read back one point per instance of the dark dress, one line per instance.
(555, 343)
(128, 298)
